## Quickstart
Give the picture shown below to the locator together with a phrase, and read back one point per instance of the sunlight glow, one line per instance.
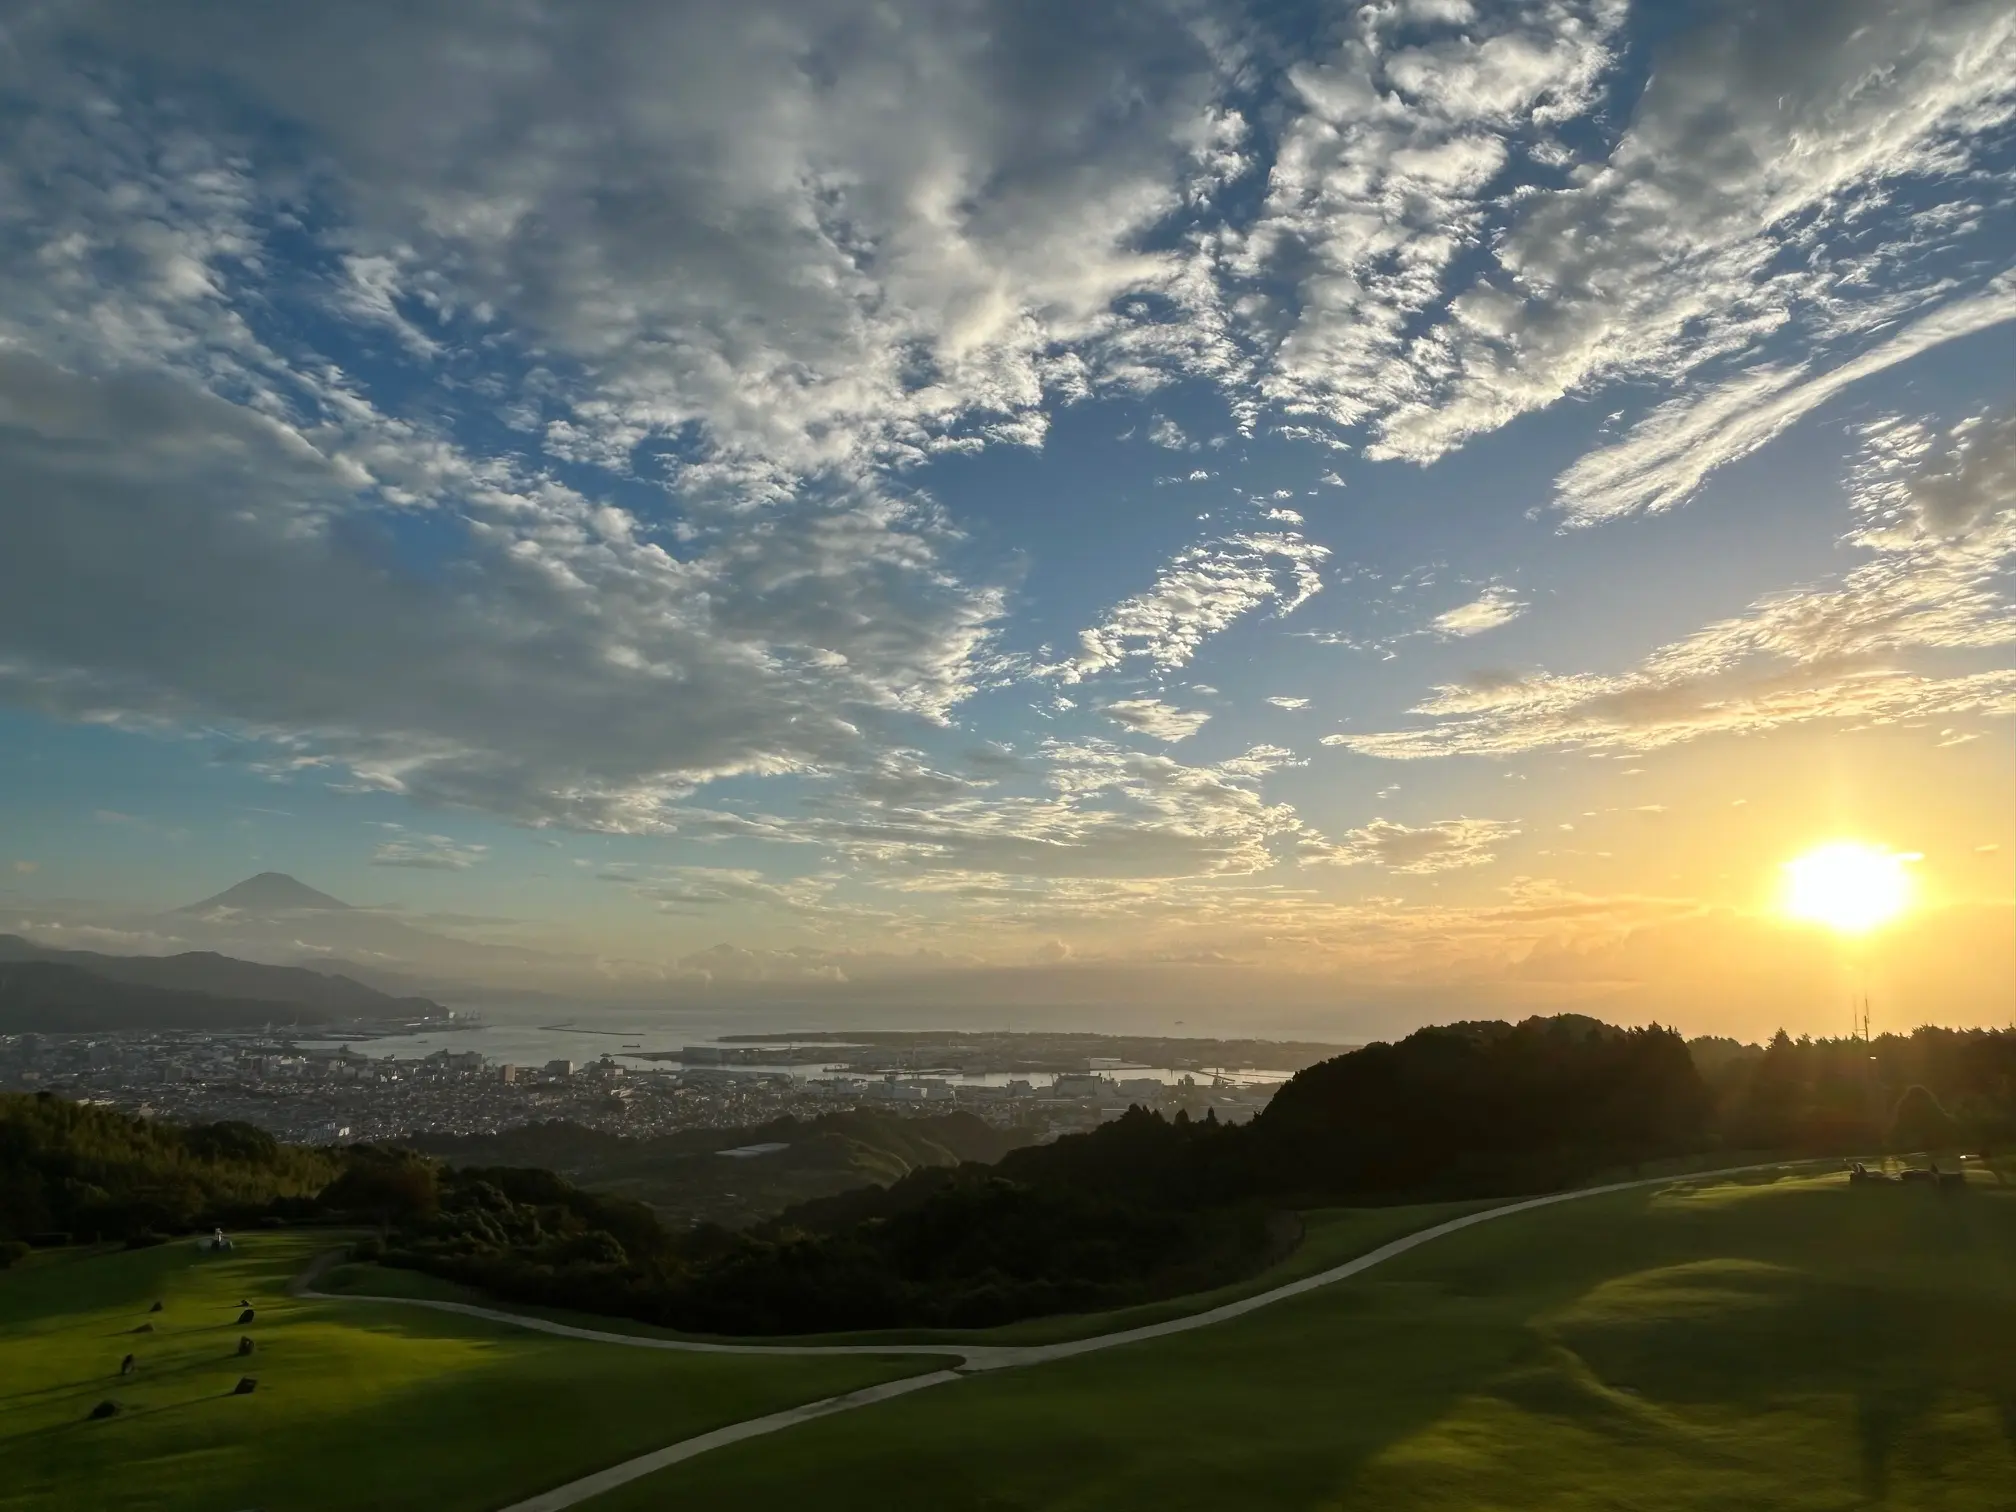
(1848, 886)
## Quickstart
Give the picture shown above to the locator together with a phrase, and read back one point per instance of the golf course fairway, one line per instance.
(1771, 1342)
(359, 1408)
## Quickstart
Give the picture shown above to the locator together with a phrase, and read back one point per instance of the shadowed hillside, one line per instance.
(687, 1179)
(91, 991)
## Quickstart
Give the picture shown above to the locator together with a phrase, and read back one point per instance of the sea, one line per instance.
(532, 1036)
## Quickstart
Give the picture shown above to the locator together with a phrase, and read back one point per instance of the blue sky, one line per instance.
(1391, 508)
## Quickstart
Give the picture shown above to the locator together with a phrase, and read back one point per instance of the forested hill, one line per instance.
(46, 998)
(686, 1178)
(47, 990)
(1140, 1208)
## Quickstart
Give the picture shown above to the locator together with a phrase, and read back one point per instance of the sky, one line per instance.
(1299, 518)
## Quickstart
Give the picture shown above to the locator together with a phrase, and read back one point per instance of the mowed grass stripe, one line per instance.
(1771, 1343)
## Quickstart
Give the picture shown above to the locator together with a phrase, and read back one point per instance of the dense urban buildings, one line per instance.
(320, 1095)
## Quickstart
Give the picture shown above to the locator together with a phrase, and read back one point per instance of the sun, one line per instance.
(1848, 886)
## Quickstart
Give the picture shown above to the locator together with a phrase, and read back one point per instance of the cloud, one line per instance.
(1489, 610)
(1103, 812)
(26, 868)
(1442, 846)
(1204, 591)
(216, 566)
(428, 853)
(529, 411)
(1381, 182)
(893, 233)
(1764, 129)
(1669, 454)
(700, 889)
(1881, 645)
(1968, 480)
(1150, 716)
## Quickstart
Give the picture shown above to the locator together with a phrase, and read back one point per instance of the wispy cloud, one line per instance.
(1938, 527)
(428, 853)
(1669, 454)
(1490, 609)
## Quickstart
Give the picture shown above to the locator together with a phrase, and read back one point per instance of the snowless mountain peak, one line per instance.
(269, 892)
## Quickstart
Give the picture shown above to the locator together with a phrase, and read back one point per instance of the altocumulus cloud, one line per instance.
(1441, 846)
(1150, 716)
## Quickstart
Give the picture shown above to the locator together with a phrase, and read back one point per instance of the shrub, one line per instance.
(12, 1253)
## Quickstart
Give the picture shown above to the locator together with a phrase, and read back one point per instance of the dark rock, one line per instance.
(245, 1316)
(246, 1386)
(104, 1409)
(245, 1346)
(155, 1308)
(144, 1328)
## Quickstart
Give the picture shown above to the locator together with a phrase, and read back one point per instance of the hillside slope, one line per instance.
(205, 973)
(686, 1178)
(1772, 1344)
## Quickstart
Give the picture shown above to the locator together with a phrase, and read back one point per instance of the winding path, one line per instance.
(972, 1358)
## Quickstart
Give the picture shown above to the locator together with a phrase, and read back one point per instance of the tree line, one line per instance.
(1141, 1208)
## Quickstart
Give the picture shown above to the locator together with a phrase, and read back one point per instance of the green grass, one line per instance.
(358, 1409)
(1780, 1343)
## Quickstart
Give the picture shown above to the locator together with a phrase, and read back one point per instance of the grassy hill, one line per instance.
(357, 1407)
(1777, 1344)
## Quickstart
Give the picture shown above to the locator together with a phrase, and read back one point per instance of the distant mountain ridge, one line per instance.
(202, 985)
(278, 918)
(47, 997)
(269, 892)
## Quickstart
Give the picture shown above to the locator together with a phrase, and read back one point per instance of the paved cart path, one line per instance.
(971, 1358)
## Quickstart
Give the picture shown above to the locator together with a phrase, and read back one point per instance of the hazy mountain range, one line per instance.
(277, 918)
(80, 991)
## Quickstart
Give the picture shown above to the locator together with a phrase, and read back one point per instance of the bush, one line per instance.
(12, 1253)
(369, 1248)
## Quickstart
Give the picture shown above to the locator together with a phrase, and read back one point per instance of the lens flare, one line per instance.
(1848, 886)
